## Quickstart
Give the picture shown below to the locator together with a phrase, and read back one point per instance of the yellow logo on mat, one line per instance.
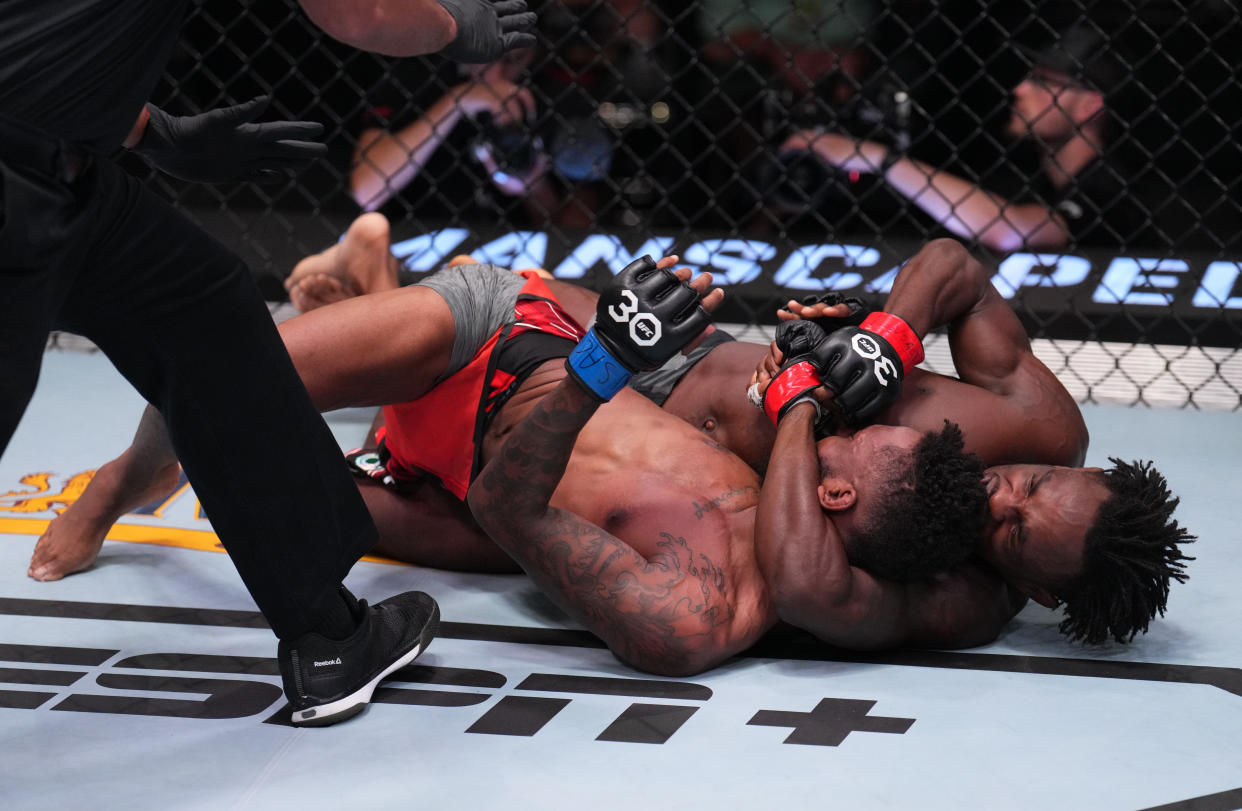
(37, 498)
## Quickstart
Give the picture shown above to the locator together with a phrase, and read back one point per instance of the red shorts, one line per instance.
(440, 434)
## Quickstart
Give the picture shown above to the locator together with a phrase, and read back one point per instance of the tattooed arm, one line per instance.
(666, 613)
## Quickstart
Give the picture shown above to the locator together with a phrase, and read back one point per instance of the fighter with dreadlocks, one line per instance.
(1101, 542)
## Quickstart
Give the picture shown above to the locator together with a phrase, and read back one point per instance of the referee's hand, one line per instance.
(226, 145)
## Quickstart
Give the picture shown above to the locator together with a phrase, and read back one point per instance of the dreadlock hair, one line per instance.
(1131, 553)
(931, 515)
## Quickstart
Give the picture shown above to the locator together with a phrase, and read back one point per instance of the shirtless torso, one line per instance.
(648, 535)
(684, 507)
(661, 561)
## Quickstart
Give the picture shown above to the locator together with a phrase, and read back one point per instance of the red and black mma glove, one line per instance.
(798, 376)
(863, 366)
(644, 317)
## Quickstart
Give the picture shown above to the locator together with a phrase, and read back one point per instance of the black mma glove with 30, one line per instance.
(486, 29)
(862, 366)
(798, 378)
(645, 317)
(226, 145)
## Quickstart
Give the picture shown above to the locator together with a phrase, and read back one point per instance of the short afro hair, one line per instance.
(931, 515)
(1131, 554)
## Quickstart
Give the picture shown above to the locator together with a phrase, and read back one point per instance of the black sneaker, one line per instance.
(327, 681)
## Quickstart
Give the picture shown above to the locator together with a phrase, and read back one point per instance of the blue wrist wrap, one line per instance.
(596, 369)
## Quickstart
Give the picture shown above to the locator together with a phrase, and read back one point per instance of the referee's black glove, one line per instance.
(486, 29)
(226, 145)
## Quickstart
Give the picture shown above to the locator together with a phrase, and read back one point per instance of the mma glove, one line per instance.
(862, 366)
(645, 317)
(799, 374)
(486, 29)
(226, 145)
(798, 377)
(793, 384)
(859, 308)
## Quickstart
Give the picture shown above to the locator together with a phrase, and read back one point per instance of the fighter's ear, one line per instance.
(836, 494)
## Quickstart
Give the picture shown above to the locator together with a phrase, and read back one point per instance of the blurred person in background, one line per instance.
(1083, 193)
(534, 126)
(765, 64)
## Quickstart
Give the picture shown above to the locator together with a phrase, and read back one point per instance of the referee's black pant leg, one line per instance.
(180, 316)
(25, 321)
(37, 215)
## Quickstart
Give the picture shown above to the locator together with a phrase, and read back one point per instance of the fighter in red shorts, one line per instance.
(619, 511)
(1012, 409)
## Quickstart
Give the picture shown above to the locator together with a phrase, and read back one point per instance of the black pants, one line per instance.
(179, 316)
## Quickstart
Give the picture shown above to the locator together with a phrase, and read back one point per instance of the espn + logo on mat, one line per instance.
(133, 689)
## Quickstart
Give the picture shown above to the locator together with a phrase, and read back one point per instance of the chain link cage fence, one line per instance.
(1088, 152)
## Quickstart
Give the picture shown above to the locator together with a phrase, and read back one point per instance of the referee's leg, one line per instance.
(24, 325)
(180, 317)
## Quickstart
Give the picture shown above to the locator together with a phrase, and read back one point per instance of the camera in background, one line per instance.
(514, 147)
(797, 180)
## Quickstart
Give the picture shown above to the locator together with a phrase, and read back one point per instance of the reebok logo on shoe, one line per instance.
(328, 681)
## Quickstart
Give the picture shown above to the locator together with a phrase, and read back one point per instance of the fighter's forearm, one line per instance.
(940, 284)
(515, 489)
(138, 130)
(386, 162)
(972, 212)
(389, 27)
(800, 555)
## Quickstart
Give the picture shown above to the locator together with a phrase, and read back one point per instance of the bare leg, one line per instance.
(372, 350)
(386, 349)
(360, 263)
(144, 472)
(430, 527)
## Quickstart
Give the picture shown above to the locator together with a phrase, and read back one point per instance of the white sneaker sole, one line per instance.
(345, 708)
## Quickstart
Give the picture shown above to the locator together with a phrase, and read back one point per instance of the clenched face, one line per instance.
(1040, 516)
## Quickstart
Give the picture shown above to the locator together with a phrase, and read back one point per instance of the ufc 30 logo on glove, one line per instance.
(866, 346)
(884, 349)
(862, 366)
(644, 327)
(644, 317)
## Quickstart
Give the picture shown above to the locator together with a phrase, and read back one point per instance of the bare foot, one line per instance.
(313, 290)
(360, 263)
(72, 540)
